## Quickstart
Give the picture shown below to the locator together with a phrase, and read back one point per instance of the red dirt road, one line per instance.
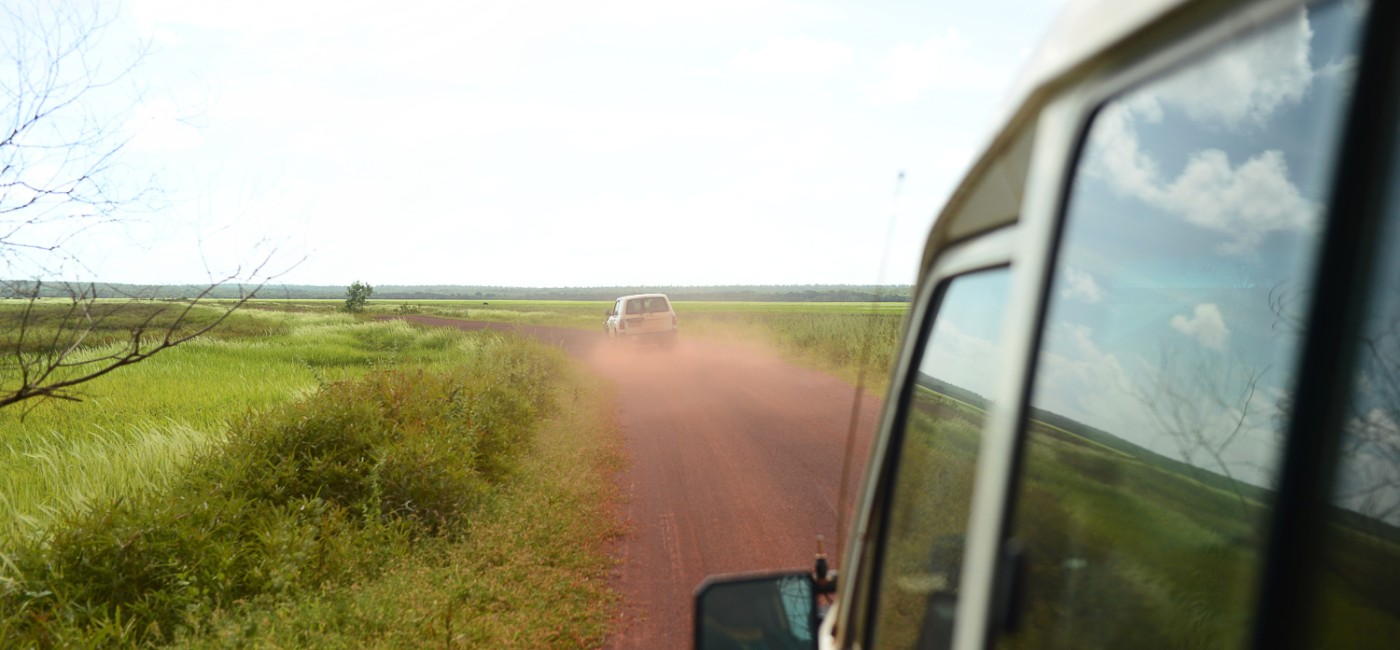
(735, 463)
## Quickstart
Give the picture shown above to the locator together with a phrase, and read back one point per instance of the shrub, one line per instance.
(356, 295)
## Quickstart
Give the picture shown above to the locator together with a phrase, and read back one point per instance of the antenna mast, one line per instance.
(861, 370)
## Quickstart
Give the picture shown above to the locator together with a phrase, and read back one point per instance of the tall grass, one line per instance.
(829, 335)
(924, 538)
(1131, 551)
(302, 496)
(585, 316)
(38, 326)
(532, 571)
(136, 426)
(52, 474)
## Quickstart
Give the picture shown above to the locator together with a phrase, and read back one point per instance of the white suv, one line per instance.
(642, 317)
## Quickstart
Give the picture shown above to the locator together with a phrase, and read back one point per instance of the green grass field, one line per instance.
(831, 336)
(164, 507)
(101, 544)
(131, 431)
(1132, 548)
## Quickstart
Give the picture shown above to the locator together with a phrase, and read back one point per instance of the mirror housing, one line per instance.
(772, 610)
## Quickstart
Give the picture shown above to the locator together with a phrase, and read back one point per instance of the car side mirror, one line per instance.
(774, 610)
(608, 313)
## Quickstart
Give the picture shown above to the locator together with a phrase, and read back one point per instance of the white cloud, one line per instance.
(1080, 285)
(945, 62)
(1121, 159)
(1206, 325)
(1240, 87)
(1246, 83)
(1245, 202)
(388, 113)
(961, 359)
(1081, 381)
(800, 56)
(1344, 68)
(251, 17)
(157, 127)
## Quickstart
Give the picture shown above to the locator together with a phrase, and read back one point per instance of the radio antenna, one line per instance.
(862, 368)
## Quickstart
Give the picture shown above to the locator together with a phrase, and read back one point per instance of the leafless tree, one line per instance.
(1202, 401)
(64, 130)
(68, 86)
(1370, 475)
(1366, 490)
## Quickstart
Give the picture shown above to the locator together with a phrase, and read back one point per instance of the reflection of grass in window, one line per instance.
(932, 496)
(1359, 599)
(1137, 550)
(1127, 554)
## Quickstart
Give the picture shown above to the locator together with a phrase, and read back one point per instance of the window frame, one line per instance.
(1322, 377)
(987, 251)
(1349, 245)
(990, 572)
(889, 472)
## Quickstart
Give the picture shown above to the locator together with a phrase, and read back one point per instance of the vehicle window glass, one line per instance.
(1359, 601)
(650, 305)
(936, 452)
(1161, 386)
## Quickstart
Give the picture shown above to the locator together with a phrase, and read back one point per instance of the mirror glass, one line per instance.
(776, 612)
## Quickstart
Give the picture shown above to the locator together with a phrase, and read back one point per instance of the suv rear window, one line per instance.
(648, 305)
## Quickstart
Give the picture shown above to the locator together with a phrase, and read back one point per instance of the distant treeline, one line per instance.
(754, 293)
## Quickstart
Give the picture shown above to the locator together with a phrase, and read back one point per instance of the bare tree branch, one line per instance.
(64, 108)
(1202, 403)
(64, 361)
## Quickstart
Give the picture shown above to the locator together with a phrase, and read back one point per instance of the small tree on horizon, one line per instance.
(356, 295)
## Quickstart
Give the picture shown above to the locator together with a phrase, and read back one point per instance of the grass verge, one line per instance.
(833, 340)
(530, 573)
(355, 494)
(828, 336)
(137, 427)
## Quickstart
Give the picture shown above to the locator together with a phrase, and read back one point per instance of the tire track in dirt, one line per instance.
(735, 461)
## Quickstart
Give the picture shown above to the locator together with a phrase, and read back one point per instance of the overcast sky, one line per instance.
(519, 143)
